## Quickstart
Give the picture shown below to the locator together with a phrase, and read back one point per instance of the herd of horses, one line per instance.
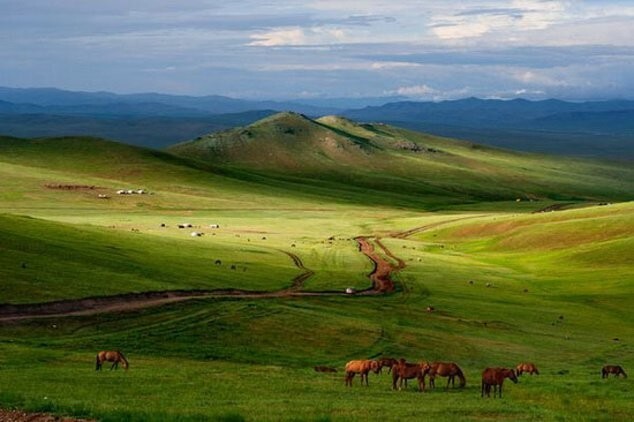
(401, 370)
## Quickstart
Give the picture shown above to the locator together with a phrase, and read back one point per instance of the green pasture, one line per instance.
(507, 285)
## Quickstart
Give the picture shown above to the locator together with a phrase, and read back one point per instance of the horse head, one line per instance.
(511, 375)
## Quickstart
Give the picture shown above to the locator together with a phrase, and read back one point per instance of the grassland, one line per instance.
(560, 283)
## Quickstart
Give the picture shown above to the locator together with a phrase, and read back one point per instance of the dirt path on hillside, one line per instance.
(298, 281)
(380, 277)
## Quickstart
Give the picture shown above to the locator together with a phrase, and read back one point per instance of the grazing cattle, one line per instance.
(445, 369)
(218, 262)
(350, 291)
(325, 369)
(402, 371)
(214, 226)
(111, 356)
(430, 309)
(233, 267)
(612, 369)
(527, 367)
(494, 377)
(184, 226)
(196, 234)
(362, 367)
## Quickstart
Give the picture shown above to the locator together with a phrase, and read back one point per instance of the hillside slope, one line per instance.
(380, 158)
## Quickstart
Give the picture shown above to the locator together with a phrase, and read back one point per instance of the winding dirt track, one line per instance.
(380, 277)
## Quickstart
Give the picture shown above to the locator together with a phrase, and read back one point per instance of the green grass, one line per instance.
(235, 359)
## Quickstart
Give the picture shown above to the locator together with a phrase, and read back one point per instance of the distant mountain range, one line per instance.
(602, 128)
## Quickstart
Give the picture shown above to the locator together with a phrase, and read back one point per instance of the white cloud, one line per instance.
(295, 36)
(416, 91)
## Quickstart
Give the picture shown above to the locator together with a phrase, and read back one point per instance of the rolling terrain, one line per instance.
(317, 207)
(582, 129)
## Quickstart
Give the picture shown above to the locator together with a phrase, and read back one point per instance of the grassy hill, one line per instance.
(381, 159)
(554, 288)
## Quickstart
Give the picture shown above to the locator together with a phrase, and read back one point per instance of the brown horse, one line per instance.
(527, 367)
(362, 367)
(387, 362)
(403, 371)
(612, 369)
(495, 377)
(445, 369)
(111, 356)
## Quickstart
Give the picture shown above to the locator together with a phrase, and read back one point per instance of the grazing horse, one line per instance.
(111, 356)
(445, 369)
(403, 370)
(495, 377)
(362, 367)
(387, 362)
(612, 369)
(527, 367)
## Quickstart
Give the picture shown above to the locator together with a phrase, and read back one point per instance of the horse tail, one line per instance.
(463, 380)
(537, 371)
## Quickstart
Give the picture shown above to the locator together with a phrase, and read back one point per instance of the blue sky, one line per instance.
(429, 50)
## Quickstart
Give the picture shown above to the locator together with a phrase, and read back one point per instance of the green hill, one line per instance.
(403, 165)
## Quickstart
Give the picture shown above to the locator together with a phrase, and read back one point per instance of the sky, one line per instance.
(311, 49)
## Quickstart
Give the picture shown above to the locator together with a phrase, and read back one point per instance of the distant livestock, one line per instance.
(196, 234)
(527, 367)
(114, 356)
(402, 371)
(103, 196)
(494, 377)
(362, 367)
(214, 226)
(350, 291)
(184, 226)
(445, 369)
(612, 369)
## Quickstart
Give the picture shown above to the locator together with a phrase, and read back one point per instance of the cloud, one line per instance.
(295, 36)
(415, 91)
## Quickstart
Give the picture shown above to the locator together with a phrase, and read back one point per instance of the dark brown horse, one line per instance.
(495, 377)
(387, 362)
(362, 367)
(445, 369)
(403, 371)
(612, 369)
(114, 356)
(527, 367)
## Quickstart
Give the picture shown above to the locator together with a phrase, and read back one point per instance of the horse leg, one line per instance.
(448, 382)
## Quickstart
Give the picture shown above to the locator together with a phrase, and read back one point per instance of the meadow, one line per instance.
(507, 285)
